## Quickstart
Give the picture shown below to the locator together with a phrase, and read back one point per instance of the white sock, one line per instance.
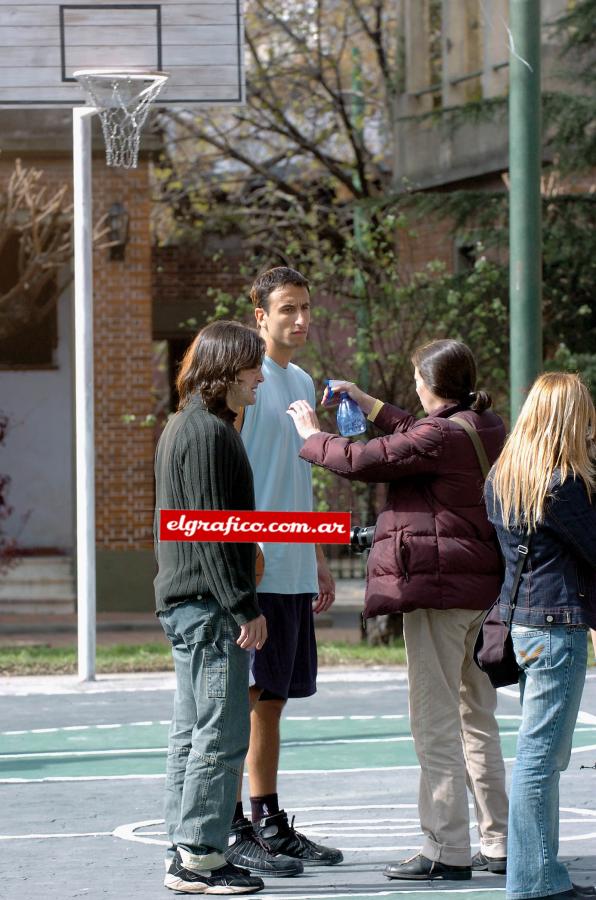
(204, 862)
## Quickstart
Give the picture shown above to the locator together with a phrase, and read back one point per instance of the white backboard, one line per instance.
(42, 43)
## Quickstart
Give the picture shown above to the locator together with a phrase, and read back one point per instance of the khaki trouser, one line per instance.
(452, 716)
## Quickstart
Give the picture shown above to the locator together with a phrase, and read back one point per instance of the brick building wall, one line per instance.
(123, 343)
(182, 276)
(123, 368)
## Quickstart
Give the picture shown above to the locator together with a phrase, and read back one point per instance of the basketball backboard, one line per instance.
(199, 44)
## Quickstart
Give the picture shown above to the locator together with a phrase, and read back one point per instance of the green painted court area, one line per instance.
(310, 744)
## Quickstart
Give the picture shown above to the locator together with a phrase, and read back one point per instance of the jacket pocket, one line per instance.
(401, 555)
(581, 584)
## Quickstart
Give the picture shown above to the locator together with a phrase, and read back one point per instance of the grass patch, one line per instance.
(41, 659)
(339, 653)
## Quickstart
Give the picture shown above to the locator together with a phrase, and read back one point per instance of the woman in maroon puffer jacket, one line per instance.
(435, 558)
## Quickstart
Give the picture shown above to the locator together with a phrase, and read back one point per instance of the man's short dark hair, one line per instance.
(212, 362)
(272, 279)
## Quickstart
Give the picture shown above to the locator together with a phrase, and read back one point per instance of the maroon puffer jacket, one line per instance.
(434, 547)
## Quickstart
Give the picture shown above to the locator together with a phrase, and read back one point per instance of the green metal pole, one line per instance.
(362, 317)
(525, 258)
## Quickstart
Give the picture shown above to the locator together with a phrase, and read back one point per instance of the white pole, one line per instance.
(85, 450)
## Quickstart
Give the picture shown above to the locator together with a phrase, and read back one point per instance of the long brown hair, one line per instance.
(448, 369)
(556, 429)
(212, 362)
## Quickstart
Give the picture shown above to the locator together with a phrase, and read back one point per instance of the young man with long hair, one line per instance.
(207, 604)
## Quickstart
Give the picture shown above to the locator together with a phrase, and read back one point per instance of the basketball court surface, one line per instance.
(82, 779)
(82, 766)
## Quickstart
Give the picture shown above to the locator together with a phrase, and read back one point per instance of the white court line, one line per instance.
(74, 778)
(586, 718)
(584, 749)
(314, 895)
(61, 834)
(354, 808)
(299, 772)
(315, 742)
(129, 683)
(288, 772)
(68, 754)
(320, 742)
(167, 722)
(87, 727)
(129, 830)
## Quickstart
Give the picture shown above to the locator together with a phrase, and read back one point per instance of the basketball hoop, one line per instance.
(122, 99)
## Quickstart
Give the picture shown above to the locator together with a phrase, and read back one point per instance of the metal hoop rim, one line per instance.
(137, 74)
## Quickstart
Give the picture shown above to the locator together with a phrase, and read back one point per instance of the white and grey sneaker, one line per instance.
(185, 877)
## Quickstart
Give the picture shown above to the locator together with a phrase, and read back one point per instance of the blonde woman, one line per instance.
(543, 486)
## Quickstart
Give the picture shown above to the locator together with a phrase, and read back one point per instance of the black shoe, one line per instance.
(228, 879)
(482, 863)
(586, 890)
(247, 849)
(420, 868)
(282, 837)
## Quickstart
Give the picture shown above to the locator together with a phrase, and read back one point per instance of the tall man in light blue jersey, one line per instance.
(297, 581)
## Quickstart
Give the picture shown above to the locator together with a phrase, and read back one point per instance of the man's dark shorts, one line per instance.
(287, 664)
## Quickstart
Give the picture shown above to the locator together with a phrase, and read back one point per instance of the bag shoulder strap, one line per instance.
(522, 554)
(524, 547)
(478, 445)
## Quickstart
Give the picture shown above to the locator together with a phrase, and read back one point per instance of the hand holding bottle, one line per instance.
(335, 386)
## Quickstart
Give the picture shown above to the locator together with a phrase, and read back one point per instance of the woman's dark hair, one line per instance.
(212, 362)
(448, 369)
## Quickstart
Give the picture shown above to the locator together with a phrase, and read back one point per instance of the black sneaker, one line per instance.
(282, 837)
(482, 863)
(247, 849)
(227, 879)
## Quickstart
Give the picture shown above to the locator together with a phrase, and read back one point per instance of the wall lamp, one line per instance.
(118, 221)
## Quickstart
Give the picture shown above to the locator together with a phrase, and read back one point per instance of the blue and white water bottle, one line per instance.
(350, 418)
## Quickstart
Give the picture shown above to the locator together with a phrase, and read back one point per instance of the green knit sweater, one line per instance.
(201, 464)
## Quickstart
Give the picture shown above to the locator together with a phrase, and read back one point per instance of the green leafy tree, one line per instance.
(303, 176)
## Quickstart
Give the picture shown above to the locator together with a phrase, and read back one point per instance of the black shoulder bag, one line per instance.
(493, 649)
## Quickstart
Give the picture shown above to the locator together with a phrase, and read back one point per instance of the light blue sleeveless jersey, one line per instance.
(283, 481)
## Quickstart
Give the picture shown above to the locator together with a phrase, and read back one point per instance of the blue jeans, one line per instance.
(553, 662)
(208, 737)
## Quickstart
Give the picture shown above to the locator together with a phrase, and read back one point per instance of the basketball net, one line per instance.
(122, 99)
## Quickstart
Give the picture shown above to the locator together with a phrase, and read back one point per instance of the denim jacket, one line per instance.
(558, 583)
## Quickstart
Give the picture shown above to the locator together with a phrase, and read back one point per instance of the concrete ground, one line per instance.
(81, 781)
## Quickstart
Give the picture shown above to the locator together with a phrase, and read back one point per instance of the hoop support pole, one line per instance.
(84, 404)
